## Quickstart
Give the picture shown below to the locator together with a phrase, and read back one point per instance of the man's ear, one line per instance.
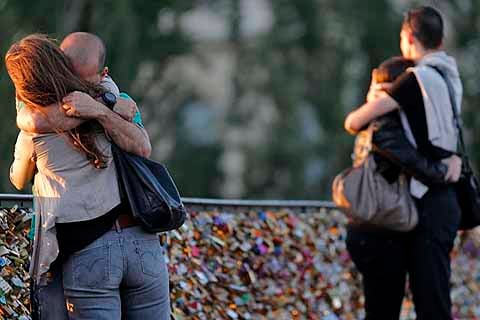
(410, 37)
(104, 72)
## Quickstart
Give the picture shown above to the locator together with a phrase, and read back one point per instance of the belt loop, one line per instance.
(117, 226)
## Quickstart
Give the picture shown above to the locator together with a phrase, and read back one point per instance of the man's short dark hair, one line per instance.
(426, 24)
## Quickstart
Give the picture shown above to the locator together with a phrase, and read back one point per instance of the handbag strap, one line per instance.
(456, 117)
(121, 187)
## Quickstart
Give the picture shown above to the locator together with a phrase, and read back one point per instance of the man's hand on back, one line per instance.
(454, 164)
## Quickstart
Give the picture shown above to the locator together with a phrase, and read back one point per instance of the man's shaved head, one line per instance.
(86, 51)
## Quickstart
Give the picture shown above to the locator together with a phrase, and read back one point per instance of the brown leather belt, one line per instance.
(124, 221)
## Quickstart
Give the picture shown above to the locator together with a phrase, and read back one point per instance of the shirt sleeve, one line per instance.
(406, 92)
(19, 105)
(137, 118)
(110, 85)
(23, 166)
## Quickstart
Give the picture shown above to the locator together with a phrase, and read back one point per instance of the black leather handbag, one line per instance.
(468, 196)
(150, 190)
(467, 188)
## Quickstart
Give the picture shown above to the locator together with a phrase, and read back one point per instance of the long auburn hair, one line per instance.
(42, 76)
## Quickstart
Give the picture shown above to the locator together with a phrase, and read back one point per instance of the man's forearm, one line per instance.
(51, 120)
(127, 135)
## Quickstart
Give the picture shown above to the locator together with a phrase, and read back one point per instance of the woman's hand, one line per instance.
(126, 108)
(81, 105)
(454, 171)
(373, 89)
(377, 91)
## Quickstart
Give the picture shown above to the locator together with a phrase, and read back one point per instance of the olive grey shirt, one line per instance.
(67, 188)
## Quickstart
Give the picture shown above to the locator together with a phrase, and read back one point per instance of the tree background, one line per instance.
(243, 98)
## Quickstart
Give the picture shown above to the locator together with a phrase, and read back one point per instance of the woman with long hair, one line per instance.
(112, 269)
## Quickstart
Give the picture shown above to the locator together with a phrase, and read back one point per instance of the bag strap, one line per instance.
(456, 117)
(121, 188)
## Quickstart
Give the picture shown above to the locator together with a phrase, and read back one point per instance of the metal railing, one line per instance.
(22, 200)
(26, 201)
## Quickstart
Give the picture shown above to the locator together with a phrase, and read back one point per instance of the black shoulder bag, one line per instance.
(467, 188)
(150, 190)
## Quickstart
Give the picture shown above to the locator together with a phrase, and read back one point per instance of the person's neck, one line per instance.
(420, 53)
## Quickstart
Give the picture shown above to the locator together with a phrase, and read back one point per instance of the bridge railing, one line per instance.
(268, 259)
(301, 206)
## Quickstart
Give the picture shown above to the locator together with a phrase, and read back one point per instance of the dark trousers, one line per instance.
(384, 258)
(47, 299)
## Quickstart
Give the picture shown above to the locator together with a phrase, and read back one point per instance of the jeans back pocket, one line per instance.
(89, 268)
(150, 254)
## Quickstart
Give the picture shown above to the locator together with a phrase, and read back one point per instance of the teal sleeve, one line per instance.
(19, 105)
(137, 119)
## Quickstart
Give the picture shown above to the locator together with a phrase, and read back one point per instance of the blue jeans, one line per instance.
(121, 275)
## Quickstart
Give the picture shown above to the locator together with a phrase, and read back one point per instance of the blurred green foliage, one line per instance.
(298, 78)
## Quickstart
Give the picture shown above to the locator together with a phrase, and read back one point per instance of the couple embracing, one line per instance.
(409, 97)
(91, 258)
